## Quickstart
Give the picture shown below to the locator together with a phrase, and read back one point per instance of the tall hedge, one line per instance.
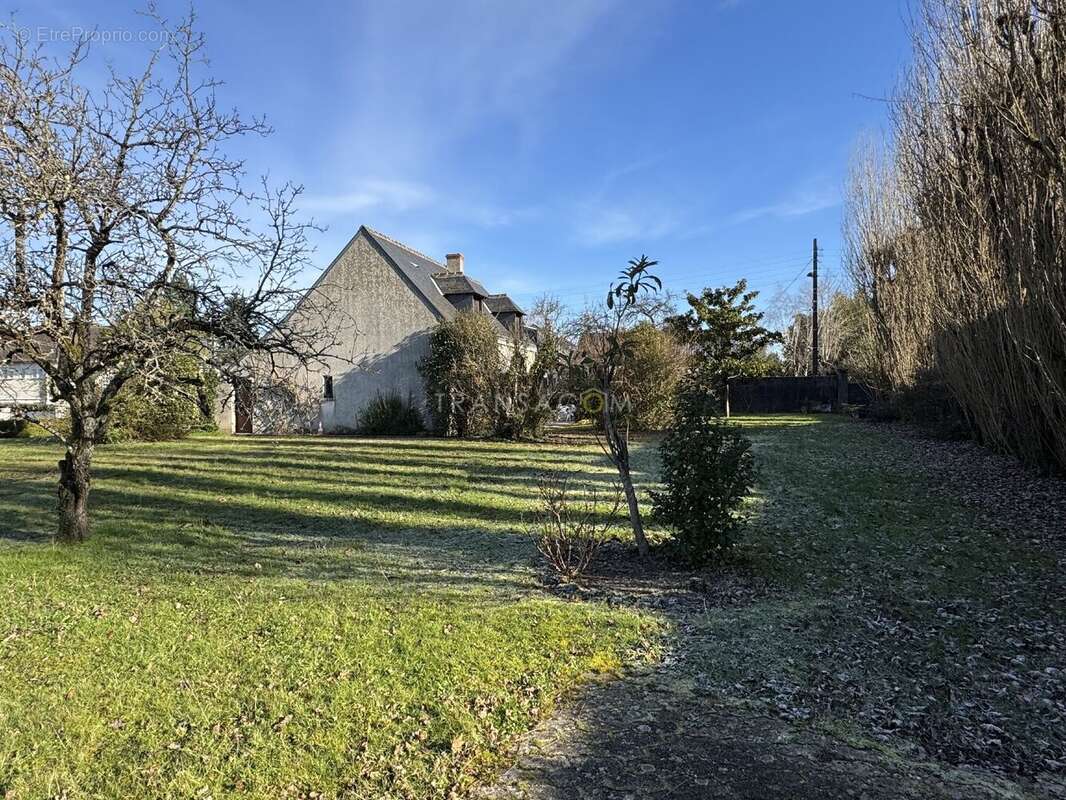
(957, 235)
(653, 366)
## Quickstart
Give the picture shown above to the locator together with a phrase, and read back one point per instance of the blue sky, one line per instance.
(552, 141)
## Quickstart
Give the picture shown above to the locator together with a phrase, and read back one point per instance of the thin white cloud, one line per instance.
(423, 82)
(399, 196)
(372, 195)
(487, 215)
(799, 203)
(614, 225)
(426, 76)
(608, 216)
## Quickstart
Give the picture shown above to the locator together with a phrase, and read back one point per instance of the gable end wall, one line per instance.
(392, 324)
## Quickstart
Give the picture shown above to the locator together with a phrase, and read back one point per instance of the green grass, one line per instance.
(898, 613)
(278, 618)
(267, 618)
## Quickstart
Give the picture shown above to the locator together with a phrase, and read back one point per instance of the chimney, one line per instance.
(455, 263)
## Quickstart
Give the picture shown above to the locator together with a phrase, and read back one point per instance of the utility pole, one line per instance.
(813, 274)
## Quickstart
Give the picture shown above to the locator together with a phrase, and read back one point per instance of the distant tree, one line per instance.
(547, 313)
(655, 309)
(528, 389)
(725, 334)
(112, 204)
(654, 364)
(844, 325)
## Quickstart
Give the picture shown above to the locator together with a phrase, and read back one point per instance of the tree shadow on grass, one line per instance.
(651, 736)
(692, 728)
(231, 536)
(401, 511)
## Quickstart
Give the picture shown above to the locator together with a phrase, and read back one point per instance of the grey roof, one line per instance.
(12, 353)
(501, 303)
(451, 283)
(417, 268)
(425, 274)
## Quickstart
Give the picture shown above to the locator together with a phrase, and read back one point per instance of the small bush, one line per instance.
(390, 415)
(568, 532)
(707, 470)
(169, 404)
(28, 428)
(13, 428)
(153, 418)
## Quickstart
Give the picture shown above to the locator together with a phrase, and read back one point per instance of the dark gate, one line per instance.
(786, 394)
(243, 407)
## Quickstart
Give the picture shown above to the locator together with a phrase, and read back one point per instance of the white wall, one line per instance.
(23, 385)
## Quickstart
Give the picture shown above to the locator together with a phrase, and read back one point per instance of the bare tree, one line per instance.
(569, 530)
(548, 313)
(127, 235)
(885, 261)
(842, 325)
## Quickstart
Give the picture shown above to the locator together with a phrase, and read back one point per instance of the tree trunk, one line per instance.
(74, 492)
(634, 510)
(619, 451)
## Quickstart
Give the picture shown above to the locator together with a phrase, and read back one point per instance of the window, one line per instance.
(327, 387)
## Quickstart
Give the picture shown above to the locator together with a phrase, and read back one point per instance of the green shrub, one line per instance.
(390, 415)
(13, 428)
(652, 368)
(526, 390)
(23, 428)
(461, 373)
(169, 405)
(152, 418)
(707, 470)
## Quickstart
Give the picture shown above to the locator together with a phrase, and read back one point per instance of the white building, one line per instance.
(23, 385)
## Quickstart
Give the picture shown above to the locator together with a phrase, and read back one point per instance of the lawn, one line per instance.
(293, 617)
(305, 617)
(907, 612)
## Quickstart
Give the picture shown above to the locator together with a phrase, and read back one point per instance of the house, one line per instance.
(391, 297)
(23, 387)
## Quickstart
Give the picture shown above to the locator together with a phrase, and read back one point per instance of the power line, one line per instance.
(798, 274)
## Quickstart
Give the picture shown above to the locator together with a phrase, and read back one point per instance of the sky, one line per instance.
(551, 141)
